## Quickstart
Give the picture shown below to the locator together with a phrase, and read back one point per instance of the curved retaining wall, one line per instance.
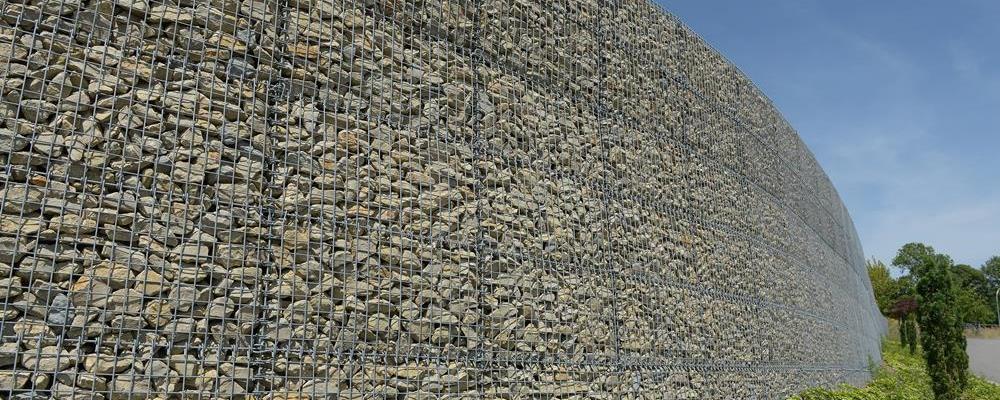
(291, 199)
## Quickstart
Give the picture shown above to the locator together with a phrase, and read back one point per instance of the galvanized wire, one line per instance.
(290, 199)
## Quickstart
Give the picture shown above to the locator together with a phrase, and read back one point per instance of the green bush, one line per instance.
(942, 338)
(903, 332)
(908, 330)
(903, 376)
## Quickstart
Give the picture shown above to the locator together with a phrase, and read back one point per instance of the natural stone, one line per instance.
(10, 141)
(150, 283)
(323, 199)
(21, 199)
(8, 354)
(13, 380)
(10, 287)
(113, 274)
(105, 364)
(48, 359)
(60, 311)
(158, 313)
(37, 111)
(72, 225)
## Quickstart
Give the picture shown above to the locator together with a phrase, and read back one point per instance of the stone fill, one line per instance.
(387, 199)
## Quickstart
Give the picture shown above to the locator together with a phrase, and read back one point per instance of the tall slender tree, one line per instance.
(909, 325)
(904, 310)
(991, 270)
(941, 333)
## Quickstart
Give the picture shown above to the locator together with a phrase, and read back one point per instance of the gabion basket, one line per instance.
(387, 199)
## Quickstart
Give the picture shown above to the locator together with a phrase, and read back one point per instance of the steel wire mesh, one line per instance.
(355, 199)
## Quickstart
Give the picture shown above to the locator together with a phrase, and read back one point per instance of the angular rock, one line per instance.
(13, 380)
(21, 199)
(48, 359)
(105, 364)
(37, 111)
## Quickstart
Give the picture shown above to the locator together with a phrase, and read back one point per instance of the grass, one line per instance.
(901, 377)
(992, 332)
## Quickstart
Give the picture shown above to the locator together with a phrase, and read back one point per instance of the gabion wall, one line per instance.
(387, 199)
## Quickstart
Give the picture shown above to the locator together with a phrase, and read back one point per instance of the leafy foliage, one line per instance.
(902, 376)
(908, 333)
(941, 297)
(973, 308)
(942, 338)
(972, 279)
(975, 287)
(991, 270)
(883, 285)
(911, 257)
(902, 307)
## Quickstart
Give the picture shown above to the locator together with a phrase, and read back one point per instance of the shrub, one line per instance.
(902, 377)
(908, 328)
(941, 329)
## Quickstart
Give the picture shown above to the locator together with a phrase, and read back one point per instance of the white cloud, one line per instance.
(902, 188)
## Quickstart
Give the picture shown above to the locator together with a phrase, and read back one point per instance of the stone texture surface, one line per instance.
(327, 199)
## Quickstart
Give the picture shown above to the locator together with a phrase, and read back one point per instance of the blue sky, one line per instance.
(899, 101)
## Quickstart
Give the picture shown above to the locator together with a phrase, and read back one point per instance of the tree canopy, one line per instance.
(975, 287)
(991, 270)
(911, 257)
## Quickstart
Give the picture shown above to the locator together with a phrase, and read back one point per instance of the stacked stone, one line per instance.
(316, 199)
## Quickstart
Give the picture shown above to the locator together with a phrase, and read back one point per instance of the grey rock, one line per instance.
(179, 330)
(10, 141)
(240, 69)
(21, 199)
(113, 274)
(127, 301)
(12, 249)
(60, 311)
(106, 364)
(90, 292)
(37, 111)
(10, 287)
(9, 353)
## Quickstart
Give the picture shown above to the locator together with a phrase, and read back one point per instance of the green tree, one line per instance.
(906, 285)
(972, 279)
(972, 308)
(904, 309)
(908, 327)
(903, 332)
(886, 289)
(991, 270)
(911, 257)
(975, 297)
(941, 333)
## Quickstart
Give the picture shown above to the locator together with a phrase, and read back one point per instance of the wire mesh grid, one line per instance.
(359, 199)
